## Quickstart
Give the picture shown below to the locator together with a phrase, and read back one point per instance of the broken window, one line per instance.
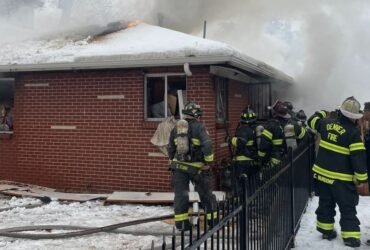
(6, 104)
(222, 99)
(161, 99)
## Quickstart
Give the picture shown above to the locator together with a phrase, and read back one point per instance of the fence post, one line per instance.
(244, 234)
(311, 155)
(292, 205)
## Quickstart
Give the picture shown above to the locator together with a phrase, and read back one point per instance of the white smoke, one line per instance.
(322, 44)
(32, 19)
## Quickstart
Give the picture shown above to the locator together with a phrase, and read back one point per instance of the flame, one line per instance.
(133, 23)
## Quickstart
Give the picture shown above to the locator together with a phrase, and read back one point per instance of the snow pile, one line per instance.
(92, 214)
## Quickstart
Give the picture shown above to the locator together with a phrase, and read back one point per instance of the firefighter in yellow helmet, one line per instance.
(191, 155)
(339, 169)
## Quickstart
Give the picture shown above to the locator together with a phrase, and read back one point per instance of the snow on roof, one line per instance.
(143, 45)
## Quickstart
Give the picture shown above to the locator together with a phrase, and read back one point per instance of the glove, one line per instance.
(362, 189)
(209, 165)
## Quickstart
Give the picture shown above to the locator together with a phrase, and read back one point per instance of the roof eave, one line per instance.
(105, 63)
(247, 64)
(256, 67)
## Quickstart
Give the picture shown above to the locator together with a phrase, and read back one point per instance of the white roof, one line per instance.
(140, 46)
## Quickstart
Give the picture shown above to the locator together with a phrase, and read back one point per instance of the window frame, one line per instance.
(158, 75)
(225, 82)
(11, 82)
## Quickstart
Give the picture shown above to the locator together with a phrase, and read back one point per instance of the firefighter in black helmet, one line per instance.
(244, 141)
(190, 151)
(279, 133)
(339, 169)
(301, 117)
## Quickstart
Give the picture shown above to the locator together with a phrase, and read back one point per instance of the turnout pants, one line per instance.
(250, 168)
(344, 194)
(203, 185)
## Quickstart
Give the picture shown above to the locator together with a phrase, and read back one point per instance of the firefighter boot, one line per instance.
(183, 225)
(368, 242)
(330, 235)
(352, 242)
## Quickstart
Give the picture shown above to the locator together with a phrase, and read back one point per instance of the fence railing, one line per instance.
(267, 218)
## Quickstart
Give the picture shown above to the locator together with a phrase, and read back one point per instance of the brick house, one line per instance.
(82, 117)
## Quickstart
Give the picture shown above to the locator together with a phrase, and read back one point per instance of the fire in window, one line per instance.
(161, 95)
(6, 104)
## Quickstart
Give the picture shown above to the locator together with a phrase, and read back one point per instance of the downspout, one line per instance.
(187, 69)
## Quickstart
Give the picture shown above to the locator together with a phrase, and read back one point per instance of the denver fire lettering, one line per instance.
(335, 127)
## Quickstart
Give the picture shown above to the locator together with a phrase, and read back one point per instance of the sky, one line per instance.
(321, 43)
(94, 214)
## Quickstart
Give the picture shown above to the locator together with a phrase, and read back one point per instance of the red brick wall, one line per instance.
(237, 102)
(108, 150)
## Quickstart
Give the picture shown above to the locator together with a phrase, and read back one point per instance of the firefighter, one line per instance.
(339, 169)
(244, 141)
(301, 118)
(366, 134)
(279, 133)
(366, 124)
(190, 151)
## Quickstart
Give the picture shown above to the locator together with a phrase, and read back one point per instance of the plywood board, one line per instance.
(153, 197)
(55, 195)
(4, 185)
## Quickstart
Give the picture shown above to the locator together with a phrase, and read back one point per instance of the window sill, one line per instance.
(6, 134)
(222, 125)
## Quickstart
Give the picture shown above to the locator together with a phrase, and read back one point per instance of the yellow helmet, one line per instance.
(351, 108)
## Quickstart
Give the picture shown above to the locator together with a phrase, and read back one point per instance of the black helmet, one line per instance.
(248, 116)
(289, 105)
(301, 116)
(192, 109)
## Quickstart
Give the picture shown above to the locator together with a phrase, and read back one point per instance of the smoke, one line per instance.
(33, 19)
(322, 44)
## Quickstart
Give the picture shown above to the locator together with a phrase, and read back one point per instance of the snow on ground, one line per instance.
(92, 214)
(95, 214)
(308, 238)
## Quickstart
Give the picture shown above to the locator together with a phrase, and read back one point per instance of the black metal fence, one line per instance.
(267, 218)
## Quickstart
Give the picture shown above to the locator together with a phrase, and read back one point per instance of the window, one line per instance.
(222, 99)
(259, 98)
(6, 104)
(161, 95)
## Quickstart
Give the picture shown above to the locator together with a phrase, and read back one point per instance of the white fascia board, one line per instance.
(115, 62)
(107, 63)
